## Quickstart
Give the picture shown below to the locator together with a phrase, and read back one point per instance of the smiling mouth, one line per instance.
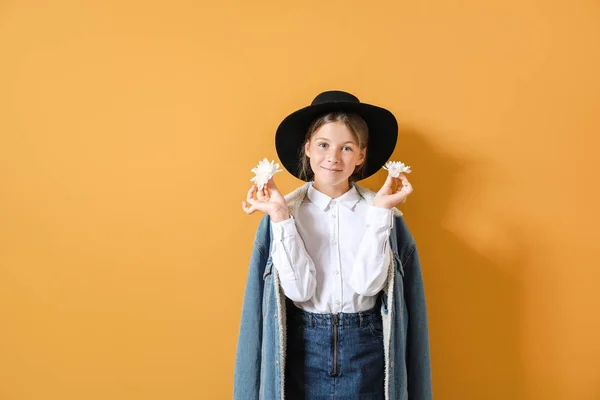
(332, 170)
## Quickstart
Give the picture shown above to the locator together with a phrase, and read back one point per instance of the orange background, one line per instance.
(127, 135)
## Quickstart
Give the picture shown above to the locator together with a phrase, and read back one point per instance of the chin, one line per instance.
(331, 181)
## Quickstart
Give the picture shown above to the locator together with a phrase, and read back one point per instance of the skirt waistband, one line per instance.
(361, 318)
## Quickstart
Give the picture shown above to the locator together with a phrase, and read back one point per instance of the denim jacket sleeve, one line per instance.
(418, 364)
(247, 368)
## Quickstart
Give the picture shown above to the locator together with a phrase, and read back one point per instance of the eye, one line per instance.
(348, 148)
(322, 144)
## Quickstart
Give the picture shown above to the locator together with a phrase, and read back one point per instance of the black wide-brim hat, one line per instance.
(383, 130)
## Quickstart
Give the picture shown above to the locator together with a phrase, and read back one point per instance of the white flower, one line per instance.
(264, 171)
(395, 168)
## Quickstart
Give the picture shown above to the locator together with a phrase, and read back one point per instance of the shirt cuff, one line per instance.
(284, 229)
(379, 217)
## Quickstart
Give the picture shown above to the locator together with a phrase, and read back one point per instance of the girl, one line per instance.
(329, 258)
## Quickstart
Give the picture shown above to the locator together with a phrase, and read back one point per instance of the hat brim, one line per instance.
(383, 134)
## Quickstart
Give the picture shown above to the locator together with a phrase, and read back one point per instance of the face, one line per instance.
(334, 154)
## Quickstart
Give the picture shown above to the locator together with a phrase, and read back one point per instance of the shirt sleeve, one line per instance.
(295, 267)
(371, 264)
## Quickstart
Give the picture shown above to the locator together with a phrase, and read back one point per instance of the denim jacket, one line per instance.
(260, 358)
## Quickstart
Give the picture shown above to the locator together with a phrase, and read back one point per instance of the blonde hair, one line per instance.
(360, 132)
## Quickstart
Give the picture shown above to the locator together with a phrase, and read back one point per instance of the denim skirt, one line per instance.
(334, 356)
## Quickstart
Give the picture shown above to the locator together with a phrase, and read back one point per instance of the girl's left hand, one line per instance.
(393, 192)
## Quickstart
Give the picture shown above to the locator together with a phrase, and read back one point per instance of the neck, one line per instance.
(333, 191)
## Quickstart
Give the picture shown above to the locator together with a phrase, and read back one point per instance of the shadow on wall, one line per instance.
(473, 299)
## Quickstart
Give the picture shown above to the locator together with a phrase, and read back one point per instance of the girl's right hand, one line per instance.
(269, 200)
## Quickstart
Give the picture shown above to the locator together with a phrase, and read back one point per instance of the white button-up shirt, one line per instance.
(332, 257)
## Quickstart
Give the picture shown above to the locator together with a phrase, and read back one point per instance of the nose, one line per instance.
(333, 157)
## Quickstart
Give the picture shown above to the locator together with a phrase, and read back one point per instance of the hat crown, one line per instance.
(335, 96)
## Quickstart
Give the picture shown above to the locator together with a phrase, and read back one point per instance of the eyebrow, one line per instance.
(327, 140)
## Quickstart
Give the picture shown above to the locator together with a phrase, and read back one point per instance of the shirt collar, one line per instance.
(321, 200)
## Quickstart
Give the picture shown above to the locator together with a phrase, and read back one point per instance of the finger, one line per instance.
(401, 183)
(250, 199)
(399, 198)
(247, 210)
(404, 180)
(272, 185)
(394, 185)
(250, 194)
(404, 188)
(261, 194)
(267, 192)
(389, 182)
(404, 193)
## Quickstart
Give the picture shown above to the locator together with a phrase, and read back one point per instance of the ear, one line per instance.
(306, 148)
(361, 157)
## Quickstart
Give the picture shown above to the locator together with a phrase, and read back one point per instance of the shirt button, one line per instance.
(333, 216)
(337, 302)
(337, 272)
(333, 202)
(334, 243)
